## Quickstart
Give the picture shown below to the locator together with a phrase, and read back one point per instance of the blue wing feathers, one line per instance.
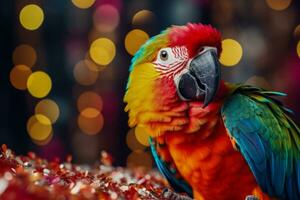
(297, 167)
(267, 138)
(178, 184)
(277, 173)
(254, 148)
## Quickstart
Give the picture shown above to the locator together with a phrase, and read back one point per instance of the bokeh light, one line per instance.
(90, 125)
(89, 100)
(43, 142)
(39, 127)
(297, 32)
(83, 4)
(39, 84)
(95, 34)
(92, 65)
(102, 51)
(132, 142)
(24, 55)
(134, 40)
(31, 17)
(139, 158)
(142, 136)
(298, 48)
(83, 74)
(278, 4)
(106, 18)
(142, 17)
(259, 81)
(18, 76)
(90, 112)
(232, 52)
(48, 108)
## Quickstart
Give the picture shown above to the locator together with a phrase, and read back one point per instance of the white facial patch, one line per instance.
(170, 61)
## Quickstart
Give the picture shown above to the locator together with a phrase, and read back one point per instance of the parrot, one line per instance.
(211, 139)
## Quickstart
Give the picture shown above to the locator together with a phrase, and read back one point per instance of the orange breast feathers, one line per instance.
(204, 156)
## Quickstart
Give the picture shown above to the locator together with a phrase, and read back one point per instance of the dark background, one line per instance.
(268, 37)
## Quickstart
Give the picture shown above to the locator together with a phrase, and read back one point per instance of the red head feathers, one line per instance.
(194, 36)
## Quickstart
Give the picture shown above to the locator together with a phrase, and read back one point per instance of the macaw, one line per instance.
(211, 139)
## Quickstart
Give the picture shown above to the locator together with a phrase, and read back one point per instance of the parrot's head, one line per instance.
(178, 66)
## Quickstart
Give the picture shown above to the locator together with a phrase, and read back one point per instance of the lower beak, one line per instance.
(201, 80)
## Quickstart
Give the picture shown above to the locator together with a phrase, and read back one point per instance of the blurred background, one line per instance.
(64, 66)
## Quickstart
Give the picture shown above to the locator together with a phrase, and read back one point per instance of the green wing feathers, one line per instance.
(267, 138)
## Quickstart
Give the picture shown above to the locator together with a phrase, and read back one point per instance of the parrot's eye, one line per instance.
(168, 57)
(163, 55)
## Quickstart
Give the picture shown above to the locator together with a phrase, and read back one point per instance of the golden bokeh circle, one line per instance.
(139, 158)
(134, 40)
(90, 112)
(298, 48)
(31, 17)
(278, 4)
(142, 136)
(43, 142)
(83, 74)
(39, 127)
(83, 4)
(297, 32)
(48, 108)
(142, 16)
(89, 99)
(24, 55)
(102, 51)
(39, 84)
(232, 52)
(92, 65)
(90, 125)
(19, 75)
(132, 142)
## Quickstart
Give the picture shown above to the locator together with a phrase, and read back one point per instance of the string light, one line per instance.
(48, 108)
(139, 158)
(19, 75)
(93, 66)
(83, 4)
(298, 48)
(297, 32)
(106, 18)
(89, 124)
(39, 84)
(89, 99)
(31, 17)
(132, 142)
(90, 112)
(102, 51)
(83, 74)
(43, 142)
(232, 52)
(278, 4)
(142, 16)
(142, 136)
(134, 40)
(25, 55)
(39, 127)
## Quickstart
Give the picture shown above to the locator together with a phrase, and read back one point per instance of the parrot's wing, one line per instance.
(267, 138)
(179, 185)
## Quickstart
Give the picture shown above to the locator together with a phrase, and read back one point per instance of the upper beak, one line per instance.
(201, 79)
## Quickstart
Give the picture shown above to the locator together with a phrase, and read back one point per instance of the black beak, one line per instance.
(201, 80)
